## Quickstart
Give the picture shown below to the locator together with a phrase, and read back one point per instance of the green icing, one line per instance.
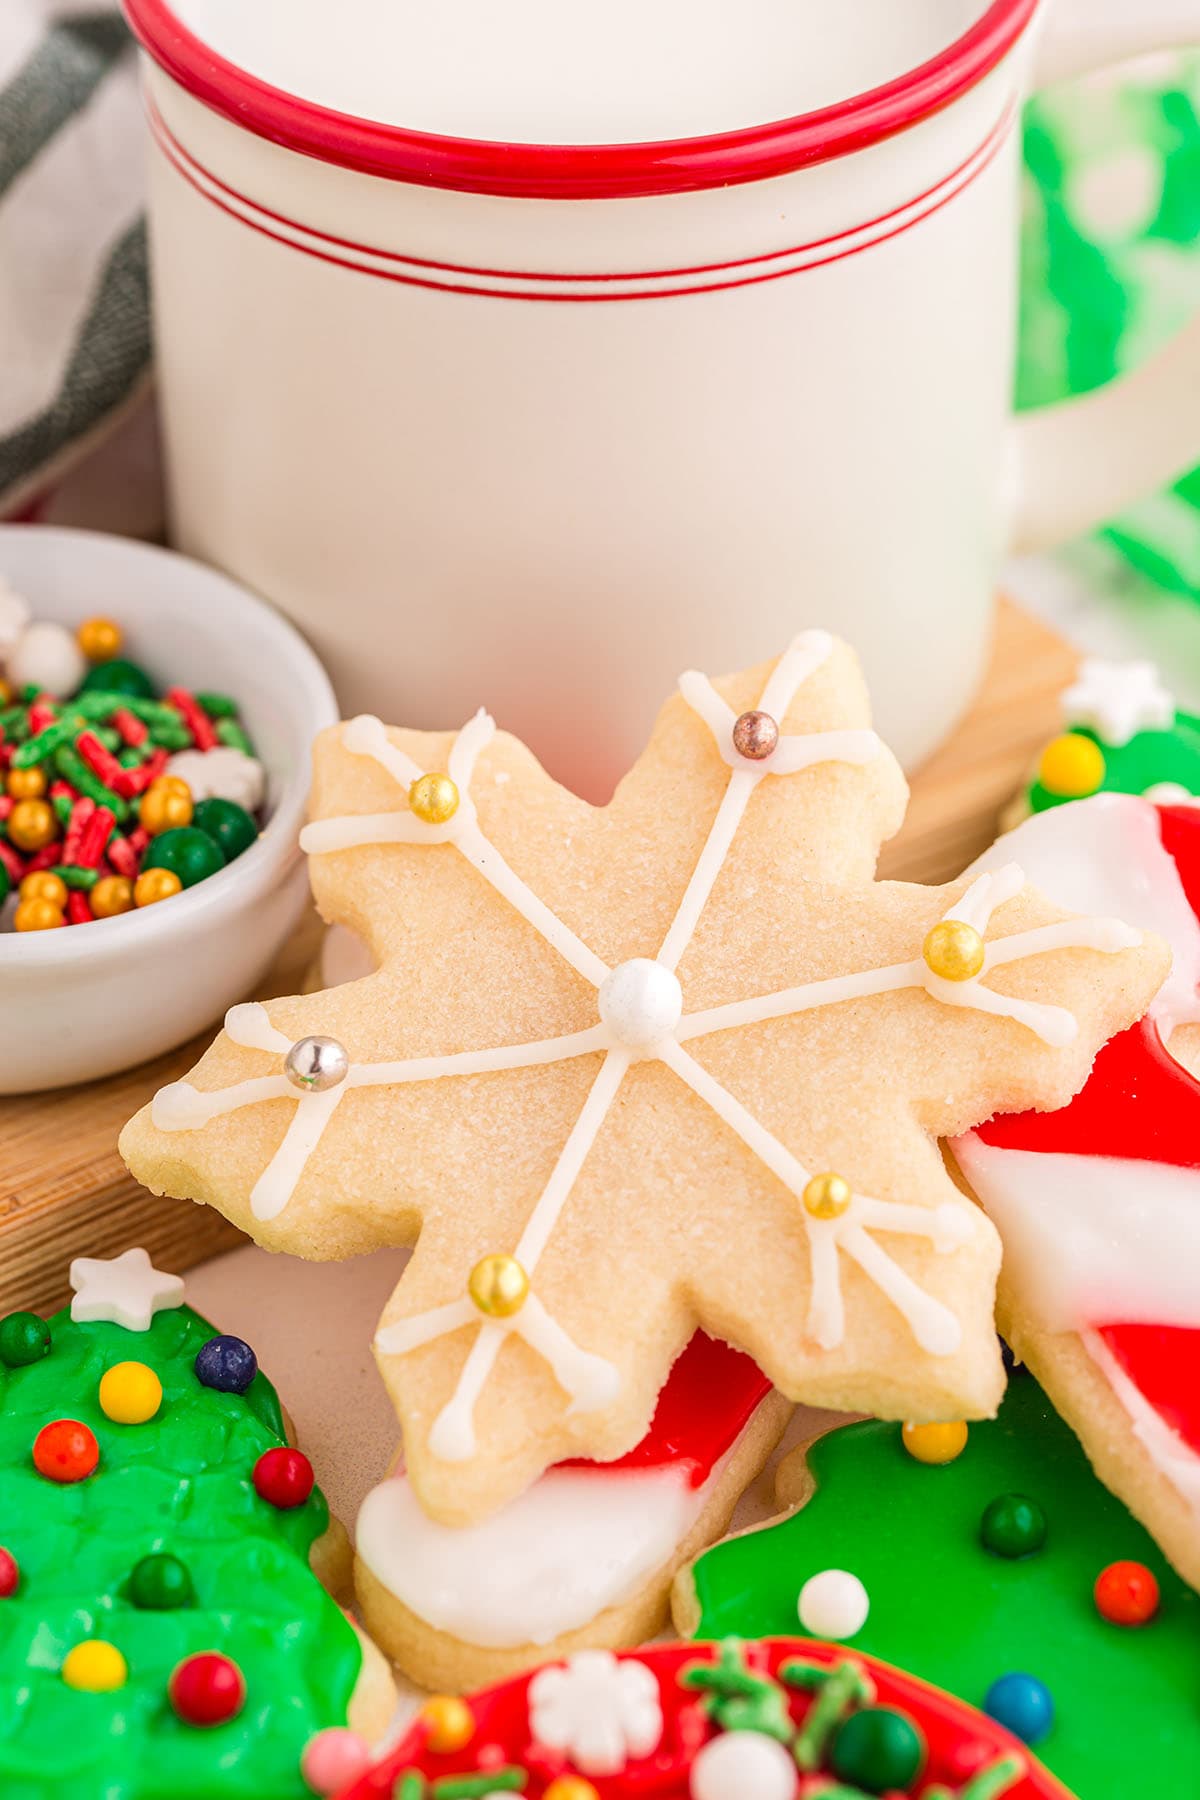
(1148, 758)
(1127, 1699)
(181, 1484)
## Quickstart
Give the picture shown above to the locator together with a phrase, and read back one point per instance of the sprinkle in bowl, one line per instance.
(79, 1004)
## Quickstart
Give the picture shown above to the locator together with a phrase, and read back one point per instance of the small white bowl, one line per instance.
(80, 1003)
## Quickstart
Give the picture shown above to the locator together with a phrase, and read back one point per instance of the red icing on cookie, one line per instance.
(710, 1396)
(1180, 830)
(1163, 1361)
(1138, 1104)
(960, 1741)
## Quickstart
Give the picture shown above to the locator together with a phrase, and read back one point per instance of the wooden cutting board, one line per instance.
(65, 1191)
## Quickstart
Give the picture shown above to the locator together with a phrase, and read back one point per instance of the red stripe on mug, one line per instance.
(325, 248)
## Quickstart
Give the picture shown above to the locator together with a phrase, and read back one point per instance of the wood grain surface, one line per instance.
(65, 1191)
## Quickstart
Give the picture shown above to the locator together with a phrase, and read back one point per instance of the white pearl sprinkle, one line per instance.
(743, 1765)
(641, 1002)
(833, 1604)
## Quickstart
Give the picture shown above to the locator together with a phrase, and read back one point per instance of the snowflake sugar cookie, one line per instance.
(680, 1061)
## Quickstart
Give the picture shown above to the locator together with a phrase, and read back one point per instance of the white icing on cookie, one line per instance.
(1117, 700)
(124, 1290)
(575, 1543)
(596, 1711)
(1092, 1238)
(1106, 855)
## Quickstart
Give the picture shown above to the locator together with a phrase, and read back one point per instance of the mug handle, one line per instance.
(1075, 464)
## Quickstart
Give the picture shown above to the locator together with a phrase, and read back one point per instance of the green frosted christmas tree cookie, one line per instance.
(162, 1629)
(1123, 734)
(977, 1569)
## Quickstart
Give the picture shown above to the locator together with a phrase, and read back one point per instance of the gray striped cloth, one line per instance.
(74, 326)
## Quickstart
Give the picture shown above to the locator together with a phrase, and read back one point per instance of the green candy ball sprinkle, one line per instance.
(1012, 1526)
(160, 1583)
(118, 677)
(24, 1338)
(877, 1750)
(227, 824)
(187, 852)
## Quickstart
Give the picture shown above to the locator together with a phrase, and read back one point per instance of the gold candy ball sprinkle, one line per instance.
(111, 895)
(100, 639)
(827, 1197)
(935, 1444)
(32, 824)
(499, 1286)
(38, 915)
(433, 798)
(449, 1724)
(155, 884)
(43, 884)
(953, 950)
(166, 804)
(26, 784)
(755, 735)
(1071, 766)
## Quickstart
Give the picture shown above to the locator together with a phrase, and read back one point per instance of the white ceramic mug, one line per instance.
(581, 373)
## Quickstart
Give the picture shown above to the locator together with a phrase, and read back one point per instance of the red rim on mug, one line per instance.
(577, 171)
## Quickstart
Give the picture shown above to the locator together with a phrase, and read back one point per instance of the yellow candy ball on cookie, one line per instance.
(827, 1197)
(95, 1667)
(130, 1393)
(449, 1724)
(433, 798)
(953, 950)
(935, 1444)
(1071, 766)
(571, 1787)
(499, 1286)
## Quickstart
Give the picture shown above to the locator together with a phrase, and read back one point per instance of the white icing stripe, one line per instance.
(801, 659)
(1092, 1240)
(949, 1226)
(1053, 1024)
(589, 1380)
(1106, 855)
(575, 1543)
(250, 1025)
(277, 1183)
(1171, 1455)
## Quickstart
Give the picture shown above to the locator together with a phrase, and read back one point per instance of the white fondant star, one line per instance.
(126, 1290)
(1117, 700)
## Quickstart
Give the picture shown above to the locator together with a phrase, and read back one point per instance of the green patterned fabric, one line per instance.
(1111, 265)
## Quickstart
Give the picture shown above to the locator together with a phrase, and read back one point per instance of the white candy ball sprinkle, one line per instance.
(743, 1765)
(833, 1604)
(48, 656)
(641, 1002)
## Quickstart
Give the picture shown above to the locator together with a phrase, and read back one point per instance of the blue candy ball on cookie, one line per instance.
(227, 1364)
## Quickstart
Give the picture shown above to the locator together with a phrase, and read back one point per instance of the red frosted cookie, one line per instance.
(1098, 1204)
(782, 1719)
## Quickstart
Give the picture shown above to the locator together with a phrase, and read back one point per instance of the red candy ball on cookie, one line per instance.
(207, 1689)
(283, 1477)
(10, 1574)
(65, 1450)
(1126, 1593)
